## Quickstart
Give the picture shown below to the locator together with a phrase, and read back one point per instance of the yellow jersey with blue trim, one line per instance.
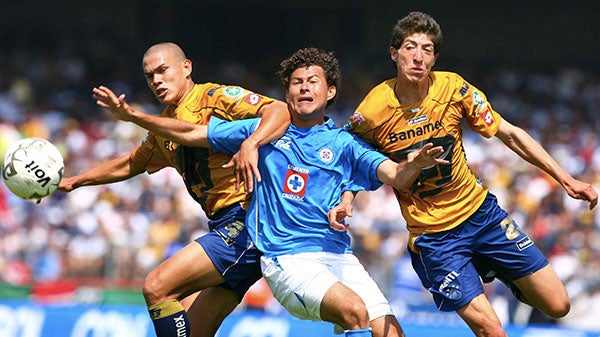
(211, 185)
(443, 196)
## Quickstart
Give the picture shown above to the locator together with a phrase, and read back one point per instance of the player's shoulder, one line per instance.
(374, 108)
(209, 88)
(447, 77)
(378, 94)
(448, 85)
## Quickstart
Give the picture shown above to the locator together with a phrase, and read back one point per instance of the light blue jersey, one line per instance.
(303, 176)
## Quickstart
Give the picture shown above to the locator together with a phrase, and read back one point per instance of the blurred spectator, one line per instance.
(117, 233)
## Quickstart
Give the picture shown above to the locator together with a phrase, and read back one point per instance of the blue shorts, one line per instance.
(488, 243)
(231, 250)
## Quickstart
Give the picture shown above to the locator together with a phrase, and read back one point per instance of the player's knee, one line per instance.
(558, 309)
(494, 329)
(152, 289)
(356, 315)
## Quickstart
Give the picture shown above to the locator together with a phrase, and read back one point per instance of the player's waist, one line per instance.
(434, 217)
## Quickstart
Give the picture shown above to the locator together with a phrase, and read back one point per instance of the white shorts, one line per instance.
(299, 282)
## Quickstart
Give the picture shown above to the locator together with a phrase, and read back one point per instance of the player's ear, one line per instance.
(394, 54)
(187, 65)
(331, 92)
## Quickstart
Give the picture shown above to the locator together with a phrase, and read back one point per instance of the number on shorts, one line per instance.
(508, 226)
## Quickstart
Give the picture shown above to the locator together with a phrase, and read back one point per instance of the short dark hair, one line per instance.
(307, 57)
(417, 22)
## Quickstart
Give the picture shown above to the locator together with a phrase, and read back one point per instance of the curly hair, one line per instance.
(417, 22)
(307, 57)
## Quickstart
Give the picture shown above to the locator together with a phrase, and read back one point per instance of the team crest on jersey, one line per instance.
(253, 99)
(326, 155)
(356, 118)
(477, 98)
(233, 92)
(417, 120)
(295, 184)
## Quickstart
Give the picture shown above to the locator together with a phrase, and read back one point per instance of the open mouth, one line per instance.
(161, 92)
(305, 99)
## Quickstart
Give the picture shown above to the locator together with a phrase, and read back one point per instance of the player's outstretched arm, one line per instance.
(274, 122)
(520, 142)
(179, 131)
(117, 169)
(402, 175)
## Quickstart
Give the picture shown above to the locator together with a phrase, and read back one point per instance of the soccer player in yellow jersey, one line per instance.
(457, 230)
(223, 263)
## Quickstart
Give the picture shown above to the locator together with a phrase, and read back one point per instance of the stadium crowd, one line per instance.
(114, 234)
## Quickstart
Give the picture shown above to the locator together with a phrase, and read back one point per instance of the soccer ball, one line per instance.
(32, 168)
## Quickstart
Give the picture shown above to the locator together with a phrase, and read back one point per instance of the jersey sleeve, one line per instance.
(479, 114)
(149, 156)
(227, 137)
(365, 161)
(373, 111)
(235, 103)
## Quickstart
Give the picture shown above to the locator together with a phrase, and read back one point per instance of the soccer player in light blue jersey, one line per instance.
(304, 174)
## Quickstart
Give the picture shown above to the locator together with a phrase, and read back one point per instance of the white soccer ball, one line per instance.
(32, 168)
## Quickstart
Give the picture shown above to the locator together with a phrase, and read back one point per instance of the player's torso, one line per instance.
(443, 195)
(207, 181)
(305, 175)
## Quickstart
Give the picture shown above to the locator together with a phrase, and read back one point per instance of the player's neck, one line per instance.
(409, 92)
(308, 120)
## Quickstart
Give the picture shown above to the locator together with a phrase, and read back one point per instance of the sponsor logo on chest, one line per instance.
(294, 187)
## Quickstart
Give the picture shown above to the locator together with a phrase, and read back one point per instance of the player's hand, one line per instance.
(583, 191)
(245, 164)
(428, 156)
(337, 214)
(117, 106)
(67, 184)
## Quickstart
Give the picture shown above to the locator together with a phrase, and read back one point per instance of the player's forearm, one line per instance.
(115, 170)
(274, 122)
(531, 151)
(398, 175)
(406, 174)
(179, 131)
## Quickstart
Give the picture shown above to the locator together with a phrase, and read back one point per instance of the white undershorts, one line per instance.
(299, 282)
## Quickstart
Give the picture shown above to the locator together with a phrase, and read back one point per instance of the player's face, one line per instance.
(308, 94)
(415, 57)
(167, 76)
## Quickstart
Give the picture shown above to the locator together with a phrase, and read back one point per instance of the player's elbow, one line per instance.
(196, 137)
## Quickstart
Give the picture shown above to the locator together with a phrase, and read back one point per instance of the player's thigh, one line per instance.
(481, 317)
(341, 305)
(299, 283)
(188, 270)
(444, 266)
(544, 290)
(352, 273)
(207, 309)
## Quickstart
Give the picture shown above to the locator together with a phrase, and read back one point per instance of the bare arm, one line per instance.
(181, 132)
(402, 175)
(275, 121)
(112, 171)
(530, 150)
